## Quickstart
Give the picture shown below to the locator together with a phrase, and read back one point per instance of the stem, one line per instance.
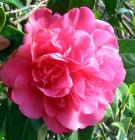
(106, 129)
(102, 132)
(122, 109)
(27, 15)
(125, 103)
(126, 26)
(128, 6)
(19, 10)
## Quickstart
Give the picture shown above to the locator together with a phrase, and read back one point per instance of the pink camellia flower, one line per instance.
(67, 70)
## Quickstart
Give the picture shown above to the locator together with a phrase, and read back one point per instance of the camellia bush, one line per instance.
(67, 69)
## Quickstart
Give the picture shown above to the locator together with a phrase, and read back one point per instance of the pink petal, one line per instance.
(81, 18)
(92, 119)
(79, 85)
(29, 101)
(106, 97)
(69, 119)
(54, 125)
(50, 107)
(102, 25)
(106, 73)
(102, 37)
(64, 81)
(86, 20)
(89, 106)
(39, 19)
(12, 68)
(51, 92)
(83, 41)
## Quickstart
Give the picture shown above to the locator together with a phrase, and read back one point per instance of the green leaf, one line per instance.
(72, 136)
(97, 14)
(19, 127)
(114, 106)
(3, 111)
(131, 89)
(114, 21)
(126, 46)
(131, 104)
(30, 131)
(109, 113)
(127, 51)
(110, 6)
(122, 92)
(42, 132)
(15, 3)
(79, 3)
(123, 11)
(121, 135)
(60, 6)
(15, 37)
(81, 134)
(2, 18)
(2, 134)
(85, 133)
(133, 1)
(123, 124)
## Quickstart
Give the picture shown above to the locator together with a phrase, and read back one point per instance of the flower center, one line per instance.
(45, 72)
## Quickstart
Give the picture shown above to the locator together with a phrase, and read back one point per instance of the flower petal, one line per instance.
(102, 37)
(29, 101)
(56, 127)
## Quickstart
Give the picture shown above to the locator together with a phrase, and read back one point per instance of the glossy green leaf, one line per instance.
(122, 92)
(3, 111)
(30, 131)
(121, 135)
(72, 136)
(126, 46)
(79, 3)
(19, 127)
(15, 37)
(60, 6)
(131, 104)
(2, 18)
(114, 21)
(2, 134)
(15, 3)
(127, 51)
(131, 89)
(97, 14)
(110, 6)
(133, 1)
(81, 134)
(85, 133)
(109, 113)
(123, 124)
(124, 10)
(114, 106)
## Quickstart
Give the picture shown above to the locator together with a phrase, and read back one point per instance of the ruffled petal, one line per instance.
(14, 66)
(102, 37)
(29, 101)
(41, 18)
(56, 127)
(81, 18)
